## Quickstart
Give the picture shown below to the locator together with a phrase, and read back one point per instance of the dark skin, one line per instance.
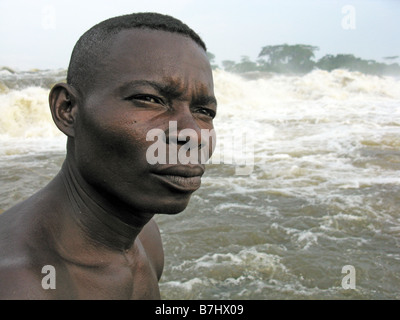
(94, 221)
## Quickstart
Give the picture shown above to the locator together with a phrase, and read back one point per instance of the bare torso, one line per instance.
(30, 240)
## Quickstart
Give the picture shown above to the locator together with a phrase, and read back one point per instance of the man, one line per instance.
(89, 234)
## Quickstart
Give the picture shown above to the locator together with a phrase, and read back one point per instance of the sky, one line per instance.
(41, 34)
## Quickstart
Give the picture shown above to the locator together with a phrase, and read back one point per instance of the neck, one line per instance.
(102, 222)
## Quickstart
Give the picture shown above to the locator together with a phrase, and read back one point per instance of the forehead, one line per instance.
(143, 54)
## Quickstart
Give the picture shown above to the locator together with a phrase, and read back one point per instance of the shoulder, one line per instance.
(20, 281)
(150, 238)
(20, 274)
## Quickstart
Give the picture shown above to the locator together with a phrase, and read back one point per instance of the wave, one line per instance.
(25, 110)
(26, 114)
(257, 88)
(11, 79)
(317, 84)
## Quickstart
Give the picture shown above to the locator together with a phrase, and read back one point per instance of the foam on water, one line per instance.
(26, 114)
(326, 159)
(226, 270)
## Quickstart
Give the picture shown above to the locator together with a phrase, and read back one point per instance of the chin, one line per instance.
(173, 211)
(171, 207)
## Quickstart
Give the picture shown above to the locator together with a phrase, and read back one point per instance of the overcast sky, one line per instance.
(41, 33)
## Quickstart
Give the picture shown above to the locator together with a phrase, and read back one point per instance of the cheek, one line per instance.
(109, 141)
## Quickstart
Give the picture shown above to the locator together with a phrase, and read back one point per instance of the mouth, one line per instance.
(183, 178)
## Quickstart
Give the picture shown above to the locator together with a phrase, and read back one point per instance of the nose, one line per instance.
(184, 130)
(185, 140)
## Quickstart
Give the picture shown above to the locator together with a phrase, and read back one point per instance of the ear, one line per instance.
(64, 108)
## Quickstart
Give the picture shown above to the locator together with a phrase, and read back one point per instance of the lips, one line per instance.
(185, 178)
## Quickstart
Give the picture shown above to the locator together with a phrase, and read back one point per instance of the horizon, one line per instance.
(389, 60)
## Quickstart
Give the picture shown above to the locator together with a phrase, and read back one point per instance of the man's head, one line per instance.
(126, 79)
(94, 44)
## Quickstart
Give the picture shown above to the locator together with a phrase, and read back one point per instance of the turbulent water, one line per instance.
(305, 180)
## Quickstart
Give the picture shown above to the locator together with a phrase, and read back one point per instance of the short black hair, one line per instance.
(91, 46)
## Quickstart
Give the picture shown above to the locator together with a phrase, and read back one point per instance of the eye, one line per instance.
(205, 111)
(147, 98)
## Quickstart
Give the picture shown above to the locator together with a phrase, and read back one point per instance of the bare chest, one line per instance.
(120, 281)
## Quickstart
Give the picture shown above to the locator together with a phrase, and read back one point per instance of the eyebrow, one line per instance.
(162, 88)
(205, 100)
(170, 91)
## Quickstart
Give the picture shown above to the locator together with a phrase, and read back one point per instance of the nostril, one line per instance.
(182, 136)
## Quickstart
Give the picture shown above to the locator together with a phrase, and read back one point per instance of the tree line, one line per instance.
(300, 59)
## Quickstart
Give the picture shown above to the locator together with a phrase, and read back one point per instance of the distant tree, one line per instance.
(289, 58)
(264, 65)
(350, 62)
(299, 59)
(391, 57)
(330, 62)
(392, 69)
(229, 65)
(246, 65)
(211, 58)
